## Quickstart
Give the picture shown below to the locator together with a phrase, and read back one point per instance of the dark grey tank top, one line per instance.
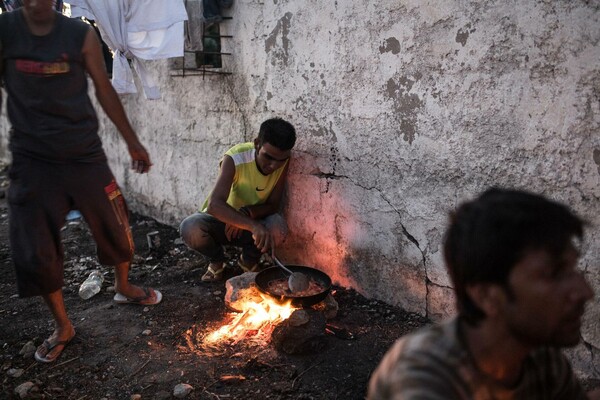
(48, 105)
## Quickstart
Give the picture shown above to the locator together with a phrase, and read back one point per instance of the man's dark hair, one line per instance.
(489, 235)
(277, 132)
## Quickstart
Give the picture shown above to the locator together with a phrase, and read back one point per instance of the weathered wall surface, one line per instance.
(403, 109)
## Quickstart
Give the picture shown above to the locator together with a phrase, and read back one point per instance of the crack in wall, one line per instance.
(324, 175)
(585, 195)
(333, 158)
(195, 140)
(230, 85)
(441, 286)
(591, 349)
(408, 235)
(416, 243)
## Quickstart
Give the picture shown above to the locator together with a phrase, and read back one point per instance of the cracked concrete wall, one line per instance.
(404, 109)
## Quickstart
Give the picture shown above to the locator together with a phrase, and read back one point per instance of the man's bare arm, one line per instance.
(218, 207)
(110, 102)
(217, 202)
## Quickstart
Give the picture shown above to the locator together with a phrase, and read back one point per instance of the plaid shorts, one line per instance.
(40, 196)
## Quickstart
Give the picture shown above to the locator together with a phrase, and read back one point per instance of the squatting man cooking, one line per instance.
(243, 207)
(512, 257)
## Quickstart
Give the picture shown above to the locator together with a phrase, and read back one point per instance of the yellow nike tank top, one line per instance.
(249, 186)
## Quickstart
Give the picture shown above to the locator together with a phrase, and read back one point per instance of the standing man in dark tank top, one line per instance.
(58, 162)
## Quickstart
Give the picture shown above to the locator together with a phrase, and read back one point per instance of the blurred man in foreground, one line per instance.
(512, 257)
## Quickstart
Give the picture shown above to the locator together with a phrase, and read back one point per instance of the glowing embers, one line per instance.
(256, 322)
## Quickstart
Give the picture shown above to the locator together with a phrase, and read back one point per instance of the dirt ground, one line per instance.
(125, 350)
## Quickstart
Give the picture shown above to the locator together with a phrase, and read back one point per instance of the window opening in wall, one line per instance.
(211, 41)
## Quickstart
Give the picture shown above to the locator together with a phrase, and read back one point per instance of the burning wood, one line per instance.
(257, 318)
(232, 378)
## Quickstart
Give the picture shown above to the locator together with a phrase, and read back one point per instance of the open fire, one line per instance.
(257, 320)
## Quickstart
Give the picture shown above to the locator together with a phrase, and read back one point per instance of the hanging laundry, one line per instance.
(194, 26)
(212, 10)
(155, 28)
(136, 30)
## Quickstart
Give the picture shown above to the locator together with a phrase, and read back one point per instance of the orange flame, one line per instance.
(255, 316)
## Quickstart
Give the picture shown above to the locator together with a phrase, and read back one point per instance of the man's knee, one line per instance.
(194, 230)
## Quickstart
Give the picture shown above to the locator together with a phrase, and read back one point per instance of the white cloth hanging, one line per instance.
(136, 30)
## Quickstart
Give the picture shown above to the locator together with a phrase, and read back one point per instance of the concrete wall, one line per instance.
(403, 109)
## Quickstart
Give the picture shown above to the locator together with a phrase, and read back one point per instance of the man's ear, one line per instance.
(489, 297)
(256, 143)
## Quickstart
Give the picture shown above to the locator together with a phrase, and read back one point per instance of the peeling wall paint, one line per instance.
(280, 33)
(406, 105)
(391, 45)
(404, 109)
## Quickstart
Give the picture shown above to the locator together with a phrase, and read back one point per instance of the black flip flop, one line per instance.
(49, 347)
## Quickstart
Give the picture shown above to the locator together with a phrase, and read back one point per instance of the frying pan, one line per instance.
(265, 276)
